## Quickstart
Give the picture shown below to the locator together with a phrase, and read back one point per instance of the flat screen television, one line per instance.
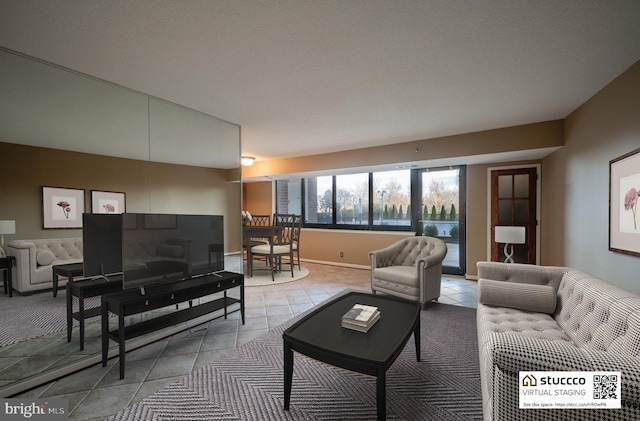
(102, 244)
(168, 247)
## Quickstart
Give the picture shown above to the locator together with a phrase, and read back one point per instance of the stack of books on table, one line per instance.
(361, 317)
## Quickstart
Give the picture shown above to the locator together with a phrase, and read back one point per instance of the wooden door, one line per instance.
(513, 202)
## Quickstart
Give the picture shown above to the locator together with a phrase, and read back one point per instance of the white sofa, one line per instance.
(36, 258)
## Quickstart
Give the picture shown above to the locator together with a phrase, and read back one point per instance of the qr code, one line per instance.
(605, 386)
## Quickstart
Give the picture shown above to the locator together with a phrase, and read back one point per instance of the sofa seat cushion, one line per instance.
(404, 275)
(520, 323)
(266, 249)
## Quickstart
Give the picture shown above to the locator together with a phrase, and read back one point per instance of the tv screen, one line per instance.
(166, 247)
(102, 244)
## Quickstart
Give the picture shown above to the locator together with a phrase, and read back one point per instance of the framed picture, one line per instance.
(107, 202)
(62, 208)
(624, 204)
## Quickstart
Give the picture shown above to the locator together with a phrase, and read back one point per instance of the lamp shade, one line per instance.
(510, 235)
(7, 227)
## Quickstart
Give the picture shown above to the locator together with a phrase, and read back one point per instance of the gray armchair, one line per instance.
(410, 268)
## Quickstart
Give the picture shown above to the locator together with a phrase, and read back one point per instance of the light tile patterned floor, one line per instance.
(97, 392)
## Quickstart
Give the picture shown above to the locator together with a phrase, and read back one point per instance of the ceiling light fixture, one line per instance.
(247, 161)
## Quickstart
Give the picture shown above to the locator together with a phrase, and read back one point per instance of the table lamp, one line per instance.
(509, 235)
(6, 227)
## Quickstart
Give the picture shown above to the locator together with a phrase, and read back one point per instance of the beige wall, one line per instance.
(326, 245)
(149, 187)
(574, 219)
(258, 198)
(526, 137)
(575, 185)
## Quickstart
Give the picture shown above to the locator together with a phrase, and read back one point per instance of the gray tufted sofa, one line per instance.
(410, 268)
(536, 318)
(35, 259)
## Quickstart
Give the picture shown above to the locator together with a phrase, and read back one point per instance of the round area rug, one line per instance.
(262, 276)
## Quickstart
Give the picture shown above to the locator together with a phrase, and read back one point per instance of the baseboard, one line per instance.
(344, 265)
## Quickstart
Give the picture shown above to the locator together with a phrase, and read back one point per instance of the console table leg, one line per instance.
(69, 313)
(121, 340)
(242, 302)
(105, 334)
(288, 374)
(55, 284)
(81, 313)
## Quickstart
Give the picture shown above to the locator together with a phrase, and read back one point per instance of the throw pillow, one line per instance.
(528, 297)
(45, 257)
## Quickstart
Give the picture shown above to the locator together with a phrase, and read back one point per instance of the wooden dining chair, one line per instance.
(279, 246)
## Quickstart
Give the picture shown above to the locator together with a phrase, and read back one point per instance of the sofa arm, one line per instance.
(25, 254)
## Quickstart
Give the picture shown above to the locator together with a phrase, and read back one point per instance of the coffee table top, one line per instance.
(322, 329)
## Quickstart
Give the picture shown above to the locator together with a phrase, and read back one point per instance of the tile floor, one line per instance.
(97, 392)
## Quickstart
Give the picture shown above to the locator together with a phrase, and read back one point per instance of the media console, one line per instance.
(128, 302)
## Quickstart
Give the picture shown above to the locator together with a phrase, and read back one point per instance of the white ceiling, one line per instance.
(312, 76)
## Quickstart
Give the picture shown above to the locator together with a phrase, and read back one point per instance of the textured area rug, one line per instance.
(31, 316)
(247, 384)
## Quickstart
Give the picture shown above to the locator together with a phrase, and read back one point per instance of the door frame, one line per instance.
(538, 168)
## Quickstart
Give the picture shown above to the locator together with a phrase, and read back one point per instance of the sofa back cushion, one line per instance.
(414, 248)
(62, 248)
(598, 315)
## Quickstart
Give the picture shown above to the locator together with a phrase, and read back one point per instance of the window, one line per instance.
(392, 198)
(318, 197)
(384, 201)
(352, 199)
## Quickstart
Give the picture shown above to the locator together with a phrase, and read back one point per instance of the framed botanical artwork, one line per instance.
(107, 202)
(624, 206)
(62, 208)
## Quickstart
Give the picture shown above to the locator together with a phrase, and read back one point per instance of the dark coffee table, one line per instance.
(320, 335)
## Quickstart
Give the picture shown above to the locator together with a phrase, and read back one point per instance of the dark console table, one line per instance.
(85, 289)
(6, 263)
(69, 270)
(133, 301)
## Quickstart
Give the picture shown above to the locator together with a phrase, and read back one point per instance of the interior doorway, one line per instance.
(514, 202)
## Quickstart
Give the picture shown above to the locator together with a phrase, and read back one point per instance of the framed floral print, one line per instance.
(62, 208)
(624, 198)
(107, 202)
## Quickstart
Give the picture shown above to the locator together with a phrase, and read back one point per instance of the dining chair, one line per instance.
(280, 238)
(296, 223)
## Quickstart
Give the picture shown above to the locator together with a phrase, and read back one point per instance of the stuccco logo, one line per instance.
(529, 380)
